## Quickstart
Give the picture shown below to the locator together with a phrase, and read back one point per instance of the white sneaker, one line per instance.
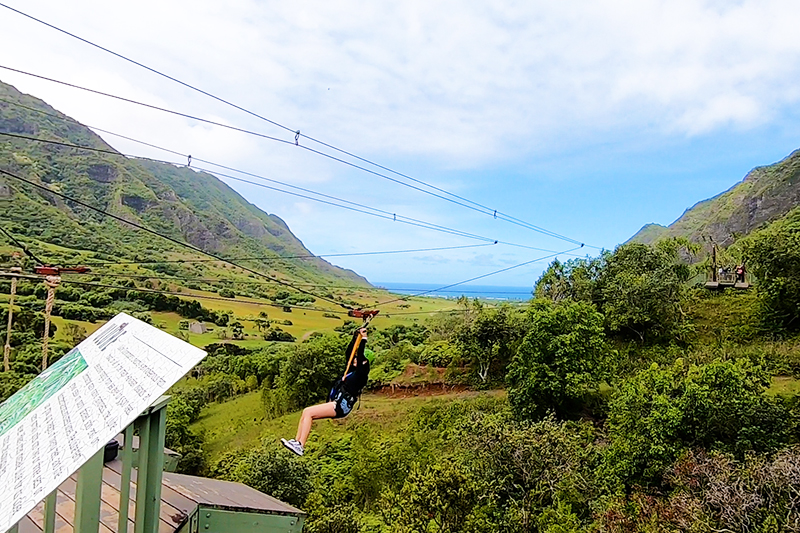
(293, 445)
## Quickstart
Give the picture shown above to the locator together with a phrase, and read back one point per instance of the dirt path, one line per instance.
(306, 335)
(429, 389)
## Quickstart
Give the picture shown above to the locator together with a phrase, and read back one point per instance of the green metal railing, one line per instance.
(151, 426)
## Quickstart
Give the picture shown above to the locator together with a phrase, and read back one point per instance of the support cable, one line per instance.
(483, 276)
(288, 257)
(481, 208)
(22, 246)
(360, 208)
(168, 238)
(379, 213)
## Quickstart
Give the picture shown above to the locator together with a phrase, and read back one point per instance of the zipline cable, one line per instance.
(22, 246)
(483, 209)
(167, 237)
(298, 134)
(288, 257)
(378, 212)
(484, 275)
(227, 283)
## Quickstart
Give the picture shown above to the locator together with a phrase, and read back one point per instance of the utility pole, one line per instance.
(7, 347)
(714, 261)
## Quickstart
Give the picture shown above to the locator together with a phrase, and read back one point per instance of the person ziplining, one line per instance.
(345, 392)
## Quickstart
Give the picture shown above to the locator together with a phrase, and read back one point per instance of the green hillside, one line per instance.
(189, 206)
(763, 196)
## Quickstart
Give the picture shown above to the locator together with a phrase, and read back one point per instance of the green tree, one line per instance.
(559, 361)
(575, 280)
(773, 255)
(641, 289)
(487, 338)
(532, 469)
(237, 330)
(268, 469)
(180, 437)
(261, 324)
(309, 370)
(661, 412)
(75, 334)
(440, 498)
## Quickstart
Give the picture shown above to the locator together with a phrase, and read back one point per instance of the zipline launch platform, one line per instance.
(54, 431)
(188, 503)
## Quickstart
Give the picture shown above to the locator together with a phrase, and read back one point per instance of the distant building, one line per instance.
(197, 327)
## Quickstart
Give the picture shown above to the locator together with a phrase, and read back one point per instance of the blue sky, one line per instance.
(588, 118)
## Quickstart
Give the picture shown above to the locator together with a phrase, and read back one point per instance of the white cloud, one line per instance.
(435, 85)
(464, 83)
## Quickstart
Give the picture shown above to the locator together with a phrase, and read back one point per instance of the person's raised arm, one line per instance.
(350, 346)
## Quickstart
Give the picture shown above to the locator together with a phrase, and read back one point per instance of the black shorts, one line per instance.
(343, 403)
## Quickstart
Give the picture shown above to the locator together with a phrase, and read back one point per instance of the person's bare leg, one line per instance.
(316, 412)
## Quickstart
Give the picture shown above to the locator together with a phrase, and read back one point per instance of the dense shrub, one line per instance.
(774, 256)
(276, 334)
(268, 469)
(438, 353)
(560, 360)
(309, 370)
(664, 411)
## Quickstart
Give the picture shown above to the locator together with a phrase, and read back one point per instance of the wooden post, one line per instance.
(714, 262)
(88, 493)
(125, 487)
(50, 512)
(51, 282)
(7, 348)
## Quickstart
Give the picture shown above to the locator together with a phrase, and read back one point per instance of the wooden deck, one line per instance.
(181, 495)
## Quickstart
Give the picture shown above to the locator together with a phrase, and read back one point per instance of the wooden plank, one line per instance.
(36, 517)
(225, 493)
(169, 496)
(26, 525)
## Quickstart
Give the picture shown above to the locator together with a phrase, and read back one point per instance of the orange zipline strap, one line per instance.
(367, 315)
(353, 354)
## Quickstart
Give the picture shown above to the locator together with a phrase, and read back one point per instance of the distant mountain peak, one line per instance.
(767, 193)
(194, 207)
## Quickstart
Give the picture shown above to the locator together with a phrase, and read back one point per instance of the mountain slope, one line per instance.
(763, 196)
(189, 206)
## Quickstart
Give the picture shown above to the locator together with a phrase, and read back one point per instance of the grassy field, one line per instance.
(240, 422)
(785, 386)
(303, 321)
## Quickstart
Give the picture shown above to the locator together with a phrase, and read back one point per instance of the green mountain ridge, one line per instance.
(189, 206)
(765, 195)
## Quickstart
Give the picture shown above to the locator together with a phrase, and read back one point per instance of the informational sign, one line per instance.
(58, 421)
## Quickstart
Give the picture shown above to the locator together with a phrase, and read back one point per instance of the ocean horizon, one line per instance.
(484, 292)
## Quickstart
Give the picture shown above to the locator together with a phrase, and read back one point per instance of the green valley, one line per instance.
(624, 396)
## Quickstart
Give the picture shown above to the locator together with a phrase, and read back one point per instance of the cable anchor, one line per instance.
(366, 314)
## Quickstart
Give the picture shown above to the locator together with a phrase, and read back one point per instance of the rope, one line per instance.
(7, 347)
(51, 282)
